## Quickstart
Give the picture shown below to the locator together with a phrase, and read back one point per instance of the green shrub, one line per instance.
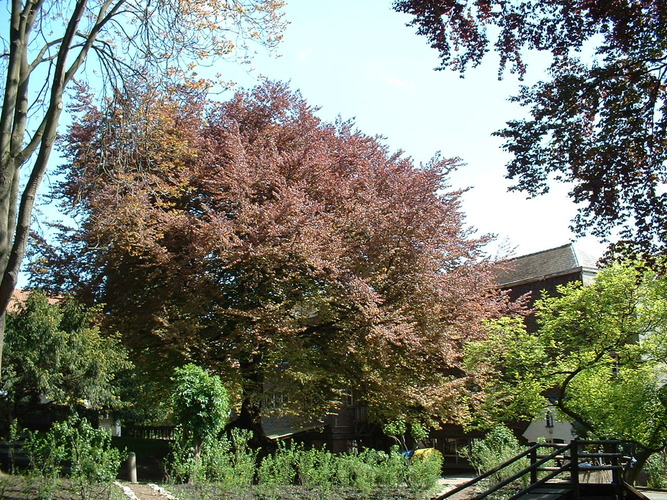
(47, 454)
(424, 470)
(200, 404)
(230, 465)
(46, 457)
(229, 461)
(352, 471)
(279, 468)
(181, 466)
(322, 471)
(74, 448)
(656, 470)
(498, 446)
(369, 470)
(390, 468)
(315, 468)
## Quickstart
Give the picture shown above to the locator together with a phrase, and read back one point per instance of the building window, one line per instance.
(275, 400)
(549, 420)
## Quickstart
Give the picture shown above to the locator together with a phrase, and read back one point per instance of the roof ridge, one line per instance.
(570, 244)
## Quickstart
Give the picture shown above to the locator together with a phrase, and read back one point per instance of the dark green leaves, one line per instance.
(598, 123)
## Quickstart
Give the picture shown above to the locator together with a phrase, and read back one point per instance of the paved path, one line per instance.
(655, 495)
(137, 491)
(450, 481)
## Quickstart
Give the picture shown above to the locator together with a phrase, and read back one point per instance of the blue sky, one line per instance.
(358, 59)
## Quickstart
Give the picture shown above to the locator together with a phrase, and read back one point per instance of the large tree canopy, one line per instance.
(47, 43)
(269, 246)
(600, 348)
(599, 122)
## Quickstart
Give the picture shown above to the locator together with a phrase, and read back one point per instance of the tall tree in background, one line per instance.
(273, 248)
(49, 42)
(599, 122)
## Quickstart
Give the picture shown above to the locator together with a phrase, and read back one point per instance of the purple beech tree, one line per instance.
(254, 239)
(48, 43)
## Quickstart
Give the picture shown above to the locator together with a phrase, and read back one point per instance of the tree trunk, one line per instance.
(250, 417)
(632, 474)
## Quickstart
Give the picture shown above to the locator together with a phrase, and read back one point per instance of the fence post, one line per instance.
(533, 469)
(132, 466)
(574, 468)
(615, 473)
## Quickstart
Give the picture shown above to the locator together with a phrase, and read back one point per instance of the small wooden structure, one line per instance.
(565, 471)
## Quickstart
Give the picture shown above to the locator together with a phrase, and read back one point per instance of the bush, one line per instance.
(498, 446)
(278, 469)
(390, 468)
(181, 465)
(656, 470)
(319, 473)
(200, 404)
(424, 469)
(369, 470)
(229, 461)
(74, 448)
(352, 471)
(315, 468)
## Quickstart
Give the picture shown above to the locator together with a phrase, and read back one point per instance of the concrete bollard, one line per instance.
(132, 466)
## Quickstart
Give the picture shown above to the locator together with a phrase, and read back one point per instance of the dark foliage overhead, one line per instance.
(598, 122)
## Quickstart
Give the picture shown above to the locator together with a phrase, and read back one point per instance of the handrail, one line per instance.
(486, 474)
(525, 471)
(540, 482)
(507, 463)
(572, 466)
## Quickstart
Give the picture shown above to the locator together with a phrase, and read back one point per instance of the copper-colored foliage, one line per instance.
(270, 245)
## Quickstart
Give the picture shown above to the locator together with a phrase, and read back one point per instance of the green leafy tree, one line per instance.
(405, 434)
(599, 121)
(602, 348)
(200, 405)
(56, 353)
(48, 43)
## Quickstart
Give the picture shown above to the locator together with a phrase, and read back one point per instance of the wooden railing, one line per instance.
(165, 433)
(570, 460)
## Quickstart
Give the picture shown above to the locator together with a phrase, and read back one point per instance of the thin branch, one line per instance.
(39, 58)
(102, 19)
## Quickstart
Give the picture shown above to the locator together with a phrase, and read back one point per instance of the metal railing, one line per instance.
(570, 459)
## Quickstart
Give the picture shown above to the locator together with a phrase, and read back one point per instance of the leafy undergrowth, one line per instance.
(211, 491)
(14, 487)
